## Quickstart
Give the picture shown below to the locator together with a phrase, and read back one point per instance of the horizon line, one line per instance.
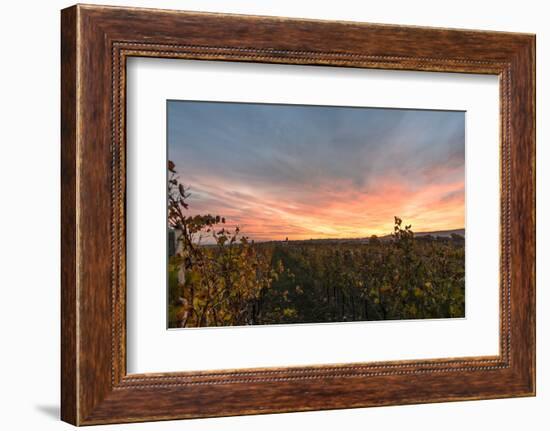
(425, 232)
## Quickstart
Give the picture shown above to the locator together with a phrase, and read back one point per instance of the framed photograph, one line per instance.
(266, 215)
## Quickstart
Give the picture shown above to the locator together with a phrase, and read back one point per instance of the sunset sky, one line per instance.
(306, 172)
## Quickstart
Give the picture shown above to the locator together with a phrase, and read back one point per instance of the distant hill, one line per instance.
(435, 234)
(443, 233)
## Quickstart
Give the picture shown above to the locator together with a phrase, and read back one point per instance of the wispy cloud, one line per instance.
(318, 172)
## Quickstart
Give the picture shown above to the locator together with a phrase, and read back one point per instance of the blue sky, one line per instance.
(316, 171)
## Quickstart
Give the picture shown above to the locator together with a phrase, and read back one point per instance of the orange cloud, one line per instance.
(336, 210)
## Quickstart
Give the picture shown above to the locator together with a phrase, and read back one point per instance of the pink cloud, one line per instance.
(331, 210)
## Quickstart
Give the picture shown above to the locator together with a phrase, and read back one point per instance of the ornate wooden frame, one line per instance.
(96, 41)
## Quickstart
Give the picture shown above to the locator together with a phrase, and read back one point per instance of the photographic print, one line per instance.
(288, 214)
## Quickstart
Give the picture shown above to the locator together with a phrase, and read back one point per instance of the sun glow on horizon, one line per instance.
(303, 173)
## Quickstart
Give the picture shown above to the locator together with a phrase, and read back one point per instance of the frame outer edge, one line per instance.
(532, 101)
(69, 196)
(523, 217)
(533, 53)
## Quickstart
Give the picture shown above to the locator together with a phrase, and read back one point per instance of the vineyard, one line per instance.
(233, 281)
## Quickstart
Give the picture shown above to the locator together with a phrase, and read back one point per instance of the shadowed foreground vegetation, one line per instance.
(233, 281)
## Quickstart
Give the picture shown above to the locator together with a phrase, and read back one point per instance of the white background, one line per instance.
(29, 220)
(151, 348)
